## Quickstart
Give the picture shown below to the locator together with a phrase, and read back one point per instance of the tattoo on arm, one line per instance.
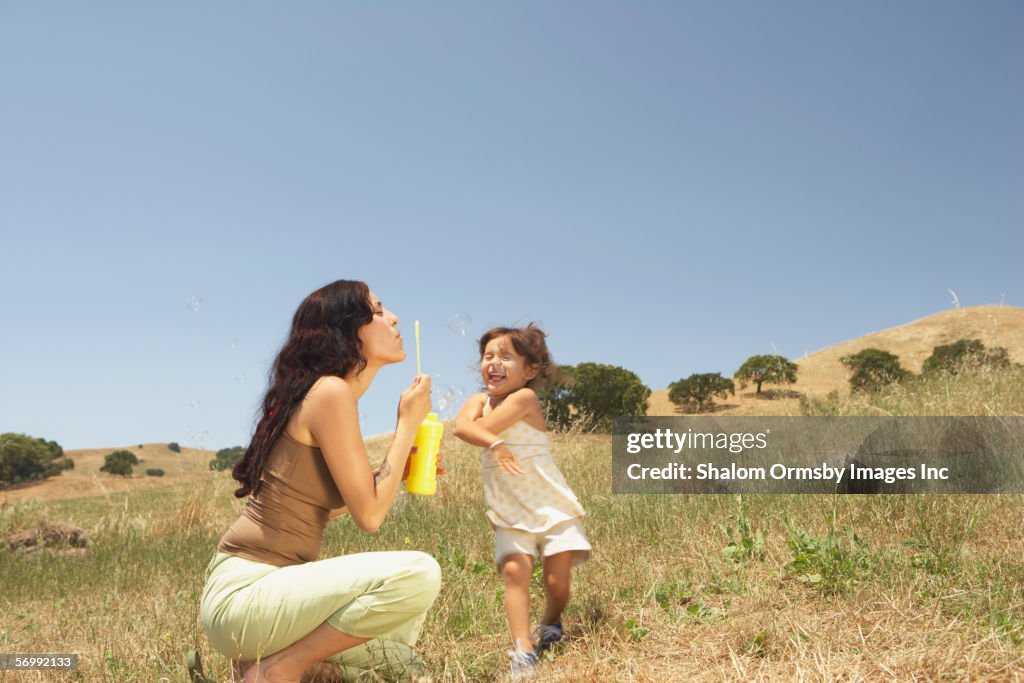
(382, 473)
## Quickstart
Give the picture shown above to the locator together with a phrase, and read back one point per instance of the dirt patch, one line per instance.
(59, 536)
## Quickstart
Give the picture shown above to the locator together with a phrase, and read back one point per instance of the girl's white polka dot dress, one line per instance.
(535, 501)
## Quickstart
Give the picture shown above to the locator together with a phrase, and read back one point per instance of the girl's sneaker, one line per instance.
(547, 635)
(524, 664)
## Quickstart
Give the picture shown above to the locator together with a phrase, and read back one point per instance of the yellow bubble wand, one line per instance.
(418, 368)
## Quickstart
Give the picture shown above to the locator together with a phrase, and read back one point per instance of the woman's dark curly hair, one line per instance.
(323, 341)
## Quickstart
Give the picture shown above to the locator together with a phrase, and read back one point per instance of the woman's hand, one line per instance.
(507, 460)
(414, 403)
(408, 463)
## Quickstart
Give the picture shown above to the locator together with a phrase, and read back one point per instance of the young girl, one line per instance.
(531, 508)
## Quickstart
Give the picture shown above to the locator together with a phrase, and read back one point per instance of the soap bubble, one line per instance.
(459, 324)
(439, 397)
(456, 397)
(445, 401)
(241, 377)
(196, 437)
(233, 343)
(194, 403)
(193, 303)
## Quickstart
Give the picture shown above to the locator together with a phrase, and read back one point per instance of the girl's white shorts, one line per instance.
(567, 536)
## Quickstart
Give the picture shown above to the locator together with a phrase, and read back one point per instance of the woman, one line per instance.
(268, 604)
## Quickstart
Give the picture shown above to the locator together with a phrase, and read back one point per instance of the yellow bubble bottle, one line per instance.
(423, 463)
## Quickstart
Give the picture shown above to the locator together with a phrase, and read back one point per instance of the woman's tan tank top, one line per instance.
(284, 523)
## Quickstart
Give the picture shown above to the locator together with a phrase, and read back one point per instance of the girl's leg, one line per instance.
(516, 570)
(557, 581)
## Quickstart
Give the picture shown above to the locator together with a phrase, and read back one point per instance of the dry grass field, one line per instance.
(680, 588)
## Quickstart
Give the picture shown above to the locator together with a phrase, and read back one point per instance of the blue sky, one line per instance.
(669, 187)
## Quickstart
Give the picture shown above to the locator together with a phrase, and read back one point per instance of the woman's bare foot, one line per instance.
(278, 669)
(269, 670)
(289, 665)
(238, 669)
(322, 672)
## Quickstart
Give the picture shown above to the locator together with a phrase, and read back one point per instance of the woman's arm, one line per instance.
(333, 420)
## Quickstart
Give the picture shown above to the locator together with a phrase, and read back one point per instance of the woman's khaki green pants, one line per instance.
(252, 610)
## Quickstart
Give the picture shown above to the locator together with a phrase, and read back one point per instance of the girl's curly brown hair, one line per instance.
(529, 343)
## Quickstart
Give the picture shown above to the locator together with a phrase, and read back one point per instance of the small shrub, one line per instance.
(154, 472)
(119, 463)
(952, 358)
(873, 369)
(698, 391)
(174, 447)
(24, 458)
(226, 458)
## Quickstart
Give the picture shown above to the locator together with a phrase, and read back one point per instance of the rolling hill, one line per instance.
(821, 372)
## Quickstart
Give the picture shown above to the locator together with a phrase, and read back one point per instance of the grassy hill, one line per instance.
(87, 480)
(821, 372)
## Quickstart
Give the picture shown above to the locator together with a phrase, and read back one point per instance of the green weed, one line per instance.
(747, 544)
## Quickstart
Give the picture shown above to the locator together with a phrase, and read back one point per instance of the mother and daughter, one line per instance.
(284, 616)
